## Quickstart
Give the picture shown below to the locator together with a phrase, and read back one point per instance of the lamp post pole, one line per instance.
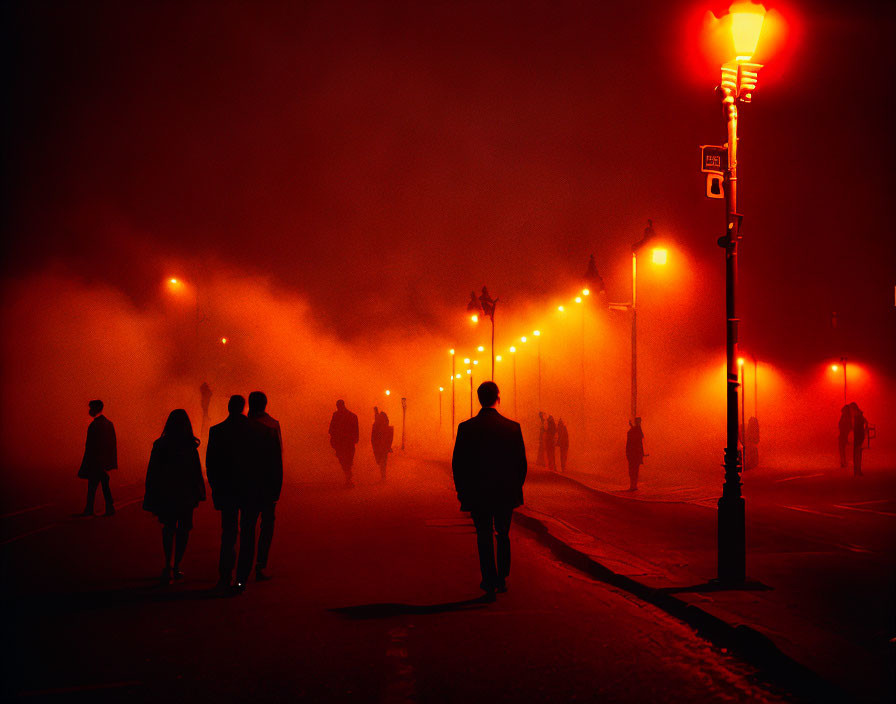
(452, 392)
(843, 362)
(738, 80)
(634, 336)
(515, 412)
(404, 410)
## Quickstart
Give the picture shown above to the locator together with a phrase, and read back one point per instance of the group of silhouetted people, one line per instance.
(244, 465)
(552, 436)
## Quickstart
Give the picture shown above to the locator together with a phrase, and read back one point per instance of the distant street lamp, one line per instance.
(513, 352)
(834, 368)
(404, 411)
(484, 305)
(452, 392)
(633, 307)
(739, 78)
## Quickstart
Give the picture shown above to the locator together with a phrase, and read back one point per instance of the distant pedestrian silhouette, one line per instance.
(550, 440)
(634, 452)
(489, 465)
(562, 443)
(100, 457)
(381, 437)
(174, 487)
(845, 427)
(859, 432)
(266, 483)
(344, 436)
(228, 463)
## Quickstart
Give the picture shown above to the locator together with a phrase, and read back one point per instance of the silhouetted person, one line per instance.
(227, 464)
(174, 487)
(540, 457)
(100, 457)
(266, 479)
(489, 465)
(859, 432)
(344, 436)
(381, 436)
(550, 440)
(205, 398)
(634, 452)
(844, 426)
(562, 443)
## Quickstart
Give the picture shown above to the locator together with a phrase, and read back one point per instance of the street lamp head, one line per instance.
(466, 360)
(223, 340)
(469, 371)
(834, 367)
(740, 361)
(475, 361)
(474, 318)
(523, 338)
(388, 393)
(536, 332)
(441, 389)
(560, 308)
(513, 350)
(578, 299)
(660, 256)
(173, 281)
(498, 358)
(451, 351)
(480, 349)
(746, 26)
(586, 292)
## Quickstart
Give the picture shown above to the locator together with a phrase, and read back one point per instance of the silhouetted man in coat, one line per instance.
(489, 465)
(100, 456)
(634, 452)
(267, 481)
(344, 436)
(227, 466)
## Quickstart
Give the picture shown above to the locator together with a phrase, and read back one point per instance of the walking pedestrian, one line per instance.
(100, 457)
(562, 443)
(344, 436)
(227, 464)
(381, 437)
(634, 452)
(489, 465)
(859, 433)
(266, 478)
(174, 487)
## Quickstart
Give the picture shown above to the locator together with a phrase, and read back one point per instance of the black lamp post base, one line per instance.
(732, 540)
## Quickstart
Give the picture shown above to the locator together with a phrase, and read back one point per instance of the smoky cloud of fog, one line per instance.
(69, 340)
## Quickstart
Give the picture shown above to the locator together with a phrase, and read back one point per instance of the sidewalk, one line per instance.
(809, 603)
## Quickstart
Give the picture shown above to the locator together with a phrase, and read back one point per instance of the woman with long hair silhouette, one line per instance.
(174, 487)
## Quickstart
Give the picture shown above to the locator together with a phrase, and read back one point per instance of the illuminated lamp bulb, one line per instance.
(560, 308)
(480, 349)
(498, 358)
(660, 256)
(578, 299)
(834, 367)
(586, 292)
(513, 349)
(466, 360)
(223, 340)
(388, 393)
(523, 338)
(740, 361)
(746, 26)
(451, 351)
(474, 318)
(536, 332)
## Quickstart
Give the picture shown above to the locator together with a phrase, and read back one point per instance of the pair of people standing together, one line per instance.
(244, 464)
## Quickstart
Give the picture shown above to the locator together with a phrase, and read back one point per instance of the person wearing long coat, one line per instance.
(634, 452)
(174, 488)
(381, 436)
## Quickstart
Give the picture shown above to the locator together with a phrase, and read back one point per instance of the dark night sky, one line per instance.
(378, 156)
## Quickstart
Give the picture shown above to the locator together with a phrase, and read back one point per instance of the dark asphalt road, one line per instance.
(371, 601)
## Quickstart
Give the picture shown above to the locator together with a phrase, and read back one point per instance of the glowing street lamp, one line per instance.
(660, 256)
(835, 368)
(223, 340)
(738, 81)
(388, 392)
(484, 305)
(451, 352)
